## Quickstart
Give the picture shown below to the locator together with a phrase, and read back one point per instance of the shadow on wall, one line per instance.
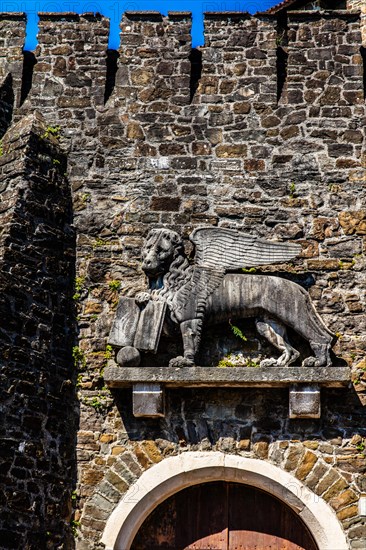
(363, 55)
(37, 328)
(7, 99)
(228, 418)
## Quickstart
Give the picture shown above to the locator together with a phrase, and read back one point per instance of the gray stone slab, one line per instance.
(125, 323)
(304, 401)
(148, 400)
(117, 377)
(149, 326)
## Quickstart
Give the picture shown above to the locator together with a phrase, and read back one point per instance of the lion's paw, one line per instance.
(310, 362)
(181, 362)
(272, 362)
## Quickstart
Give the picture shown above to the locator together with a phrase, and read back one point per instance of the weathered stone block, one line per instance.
(304, 401)
(148, 400)
(353, 221)
(165, 203)
(231, 151)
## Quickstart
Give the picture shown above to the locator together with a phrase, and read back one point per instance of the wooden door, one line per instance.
(223, 516)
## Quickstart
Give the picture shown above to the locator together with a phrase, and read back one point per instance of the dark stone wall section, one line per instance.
(6, 104)
(37, 379)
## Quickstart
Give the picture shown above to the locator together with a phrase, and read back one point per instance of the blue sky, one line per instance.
(114, 9)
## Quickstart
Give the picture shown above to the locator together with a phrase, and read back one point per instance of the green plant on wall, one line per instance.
(108, 354)
(237, 361)
(75, 525)
(79, 287)
(79, 381)
(226, 363)
(54, 131)
(114, 285)
(98, 402)
(85, 197)
(292, 190)
(98, 242)
(237, 332)
(346, 265)
(79, 358)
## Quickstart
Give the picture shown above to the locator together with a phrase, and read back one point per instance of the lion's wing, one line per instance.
(231, 249)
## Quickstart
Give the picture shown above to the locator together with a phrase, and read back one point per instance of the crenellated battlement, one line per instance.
(142, 97)
(261, 52)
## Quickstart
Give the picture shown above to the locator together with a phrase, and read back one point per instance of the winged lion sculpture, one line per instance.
(209, 289)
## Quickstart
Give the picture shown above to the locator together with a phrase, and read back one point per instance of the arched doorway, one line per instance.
(223, 516)
(174, 474)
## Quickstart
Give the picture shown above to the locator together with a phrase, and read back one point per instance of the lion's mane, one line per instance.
(175, 283)
(185, 285)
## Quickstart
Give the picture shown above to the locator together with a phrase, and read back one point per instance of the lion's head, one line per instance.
(161, 248)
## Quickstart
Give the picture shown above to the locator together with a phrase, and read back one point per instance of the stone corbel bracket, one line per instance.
(149, 383)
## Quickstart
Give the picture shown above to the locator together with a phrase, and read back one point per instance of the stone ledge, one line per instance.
(13, 15)
(333, 377)
(226, 15)
(323, 14)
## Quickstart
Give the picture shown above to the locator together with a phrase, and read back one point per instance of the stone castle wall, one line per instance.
(261, 129)
(38, 402)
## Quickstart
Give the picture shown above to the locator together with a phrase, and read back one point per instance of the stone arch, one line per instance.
(179, 472)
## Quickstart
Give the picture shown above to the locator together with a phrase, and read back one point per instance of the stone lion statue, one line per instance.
(208, 289)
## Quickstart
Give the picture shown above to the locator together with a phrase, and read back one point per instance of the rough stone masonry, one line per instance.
(262, 129)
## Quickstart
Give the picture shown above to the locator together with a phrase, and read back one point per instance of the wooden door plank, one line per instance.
(223, 516)
(202, 518)
(252, 540)
(259, 521)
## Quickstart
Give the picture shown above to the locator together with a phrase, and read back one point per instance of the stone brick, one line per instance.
(334, 489)
(343, 499)
(289, 132)
(254, 165)
(142, 457)
(92, 307)
(152, 451)
(261, 449)
(353, 222)
(307, 463)
(141, 77)
(92, 477)
(134, 131)
(331, 264)
(311, 445)
(118, 449)
(244, 445)
(270, 121)
(242, 108)
(294, 457)
(231, 151)
(346, 513)
(117, 482)
(107, 438)
(165, 203)
(201, 148)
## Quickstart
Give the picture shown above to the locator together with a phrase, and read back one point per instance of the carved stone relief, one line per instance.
(209, 289)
